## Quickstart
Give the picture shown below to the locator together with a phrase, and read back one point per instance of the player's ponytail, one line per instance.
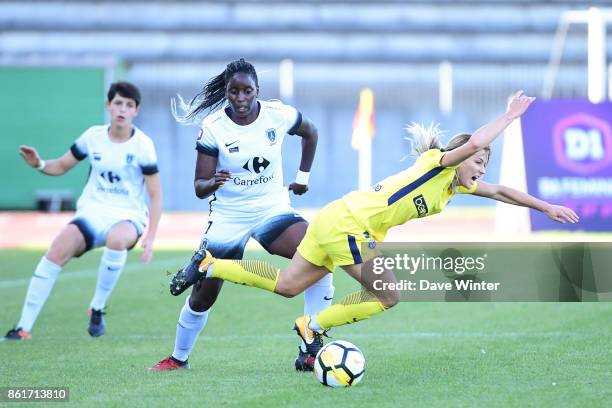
(212, 95)
(423, 138)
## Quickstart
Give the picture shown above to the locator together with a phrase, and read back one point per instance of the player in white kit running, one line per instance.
(111, 210)
(239, 167)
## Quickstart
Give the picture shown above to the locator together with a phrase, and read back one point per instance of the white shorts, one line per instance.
(95, 227)
(228, 234)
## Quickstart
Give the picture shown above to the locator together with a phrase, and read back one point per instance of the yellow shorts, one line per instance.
(335, 238)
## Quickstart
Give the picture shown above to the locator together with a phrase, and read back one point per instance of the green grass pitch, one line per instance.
(418, 354)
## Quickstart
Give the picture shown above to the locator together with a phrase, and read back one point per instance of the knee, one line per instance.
(390, 299)
(287, 294)
(59, 256)
(115, 242)
(286, 291)
(199, 303)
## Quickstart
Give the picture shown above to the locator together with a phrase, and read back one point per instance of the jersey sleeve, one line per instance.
(206, 143)
(148, 161)
(292, 119)
(79, 148)
(430, 159)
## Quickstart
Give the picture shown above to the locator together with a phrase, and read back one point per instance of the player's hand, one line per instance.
(561, 214)
(30, 155)
(220, 178)
(147, 245)
(298, 189)
(519, 104)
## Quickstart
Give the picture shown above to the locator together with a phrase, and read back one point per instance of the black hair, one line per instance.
(125, 89)
(213, 94)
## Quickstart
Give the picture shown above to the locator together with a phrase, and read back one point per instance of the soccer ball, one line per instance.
(339, 364)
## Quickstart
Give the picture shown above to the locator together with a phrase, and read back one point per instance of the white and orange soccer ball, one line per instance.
(339, 364)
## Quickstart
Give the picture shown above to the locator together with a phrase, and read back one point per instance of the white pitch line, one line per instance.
(225, 338)
(400, 335)
(86, 273)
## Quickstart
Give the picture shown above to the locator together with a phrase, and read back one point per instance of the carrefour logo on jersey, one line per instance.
(251, 182)
(582, 143)
(254, 165)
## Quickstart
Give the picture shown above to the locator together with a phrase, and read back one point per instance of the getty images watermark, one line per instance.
(482, 272)
(461, 266)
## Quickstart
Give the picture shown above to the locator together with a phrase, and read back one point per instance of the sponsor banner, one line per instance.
(490, 272)
(568, 161)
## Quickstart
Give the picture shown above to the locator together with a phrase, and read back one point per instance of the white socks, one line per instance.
(313, 325)
(40, 287)
(44, 278)
(111, 265)
(189, 326)
(319, 296)
(316, 298)
(209, 271)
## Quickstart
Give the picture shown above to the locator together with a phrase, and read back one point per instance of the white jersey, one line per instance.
(252, 153)
(116, 177)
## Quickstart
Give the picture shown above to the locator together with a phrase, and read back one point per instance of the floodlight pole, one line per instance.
(610, 81)
(445, 87)
(365, 164)
(596, 20)
(597, 55)
(285, 80)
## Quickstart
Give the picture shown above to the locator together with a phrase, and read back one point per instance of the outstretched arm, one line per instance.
(310, 136)
(486, 134)
(52, 167)
(153, 184)
(511, 196)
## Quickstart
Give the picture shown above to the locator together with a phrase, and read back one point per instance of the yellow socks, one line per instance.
(354, 307)
(252, 273)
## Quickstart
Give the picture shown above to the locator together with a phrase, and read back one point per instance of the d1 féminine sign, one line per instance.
(568, 161)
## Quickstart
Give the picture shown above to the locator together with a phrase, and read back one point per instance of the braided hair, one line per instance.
(212, 95)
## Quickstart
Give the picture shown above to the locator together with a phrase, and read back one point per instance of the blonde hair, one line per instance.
(423, 138)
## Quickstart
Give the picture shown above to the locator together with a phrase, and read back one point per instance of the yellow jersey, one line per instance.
(423, 189)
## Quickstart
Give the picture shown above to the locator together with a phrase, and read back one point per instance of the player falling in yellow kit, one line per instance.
(335, 235)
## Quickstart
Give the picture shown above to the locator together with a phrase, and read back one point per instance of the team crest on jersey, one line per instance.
(129, 158)
(96, 156)
(271, 133)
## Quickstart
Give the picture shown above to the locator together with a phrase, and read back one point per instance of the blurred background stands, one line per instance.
(453, 62)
